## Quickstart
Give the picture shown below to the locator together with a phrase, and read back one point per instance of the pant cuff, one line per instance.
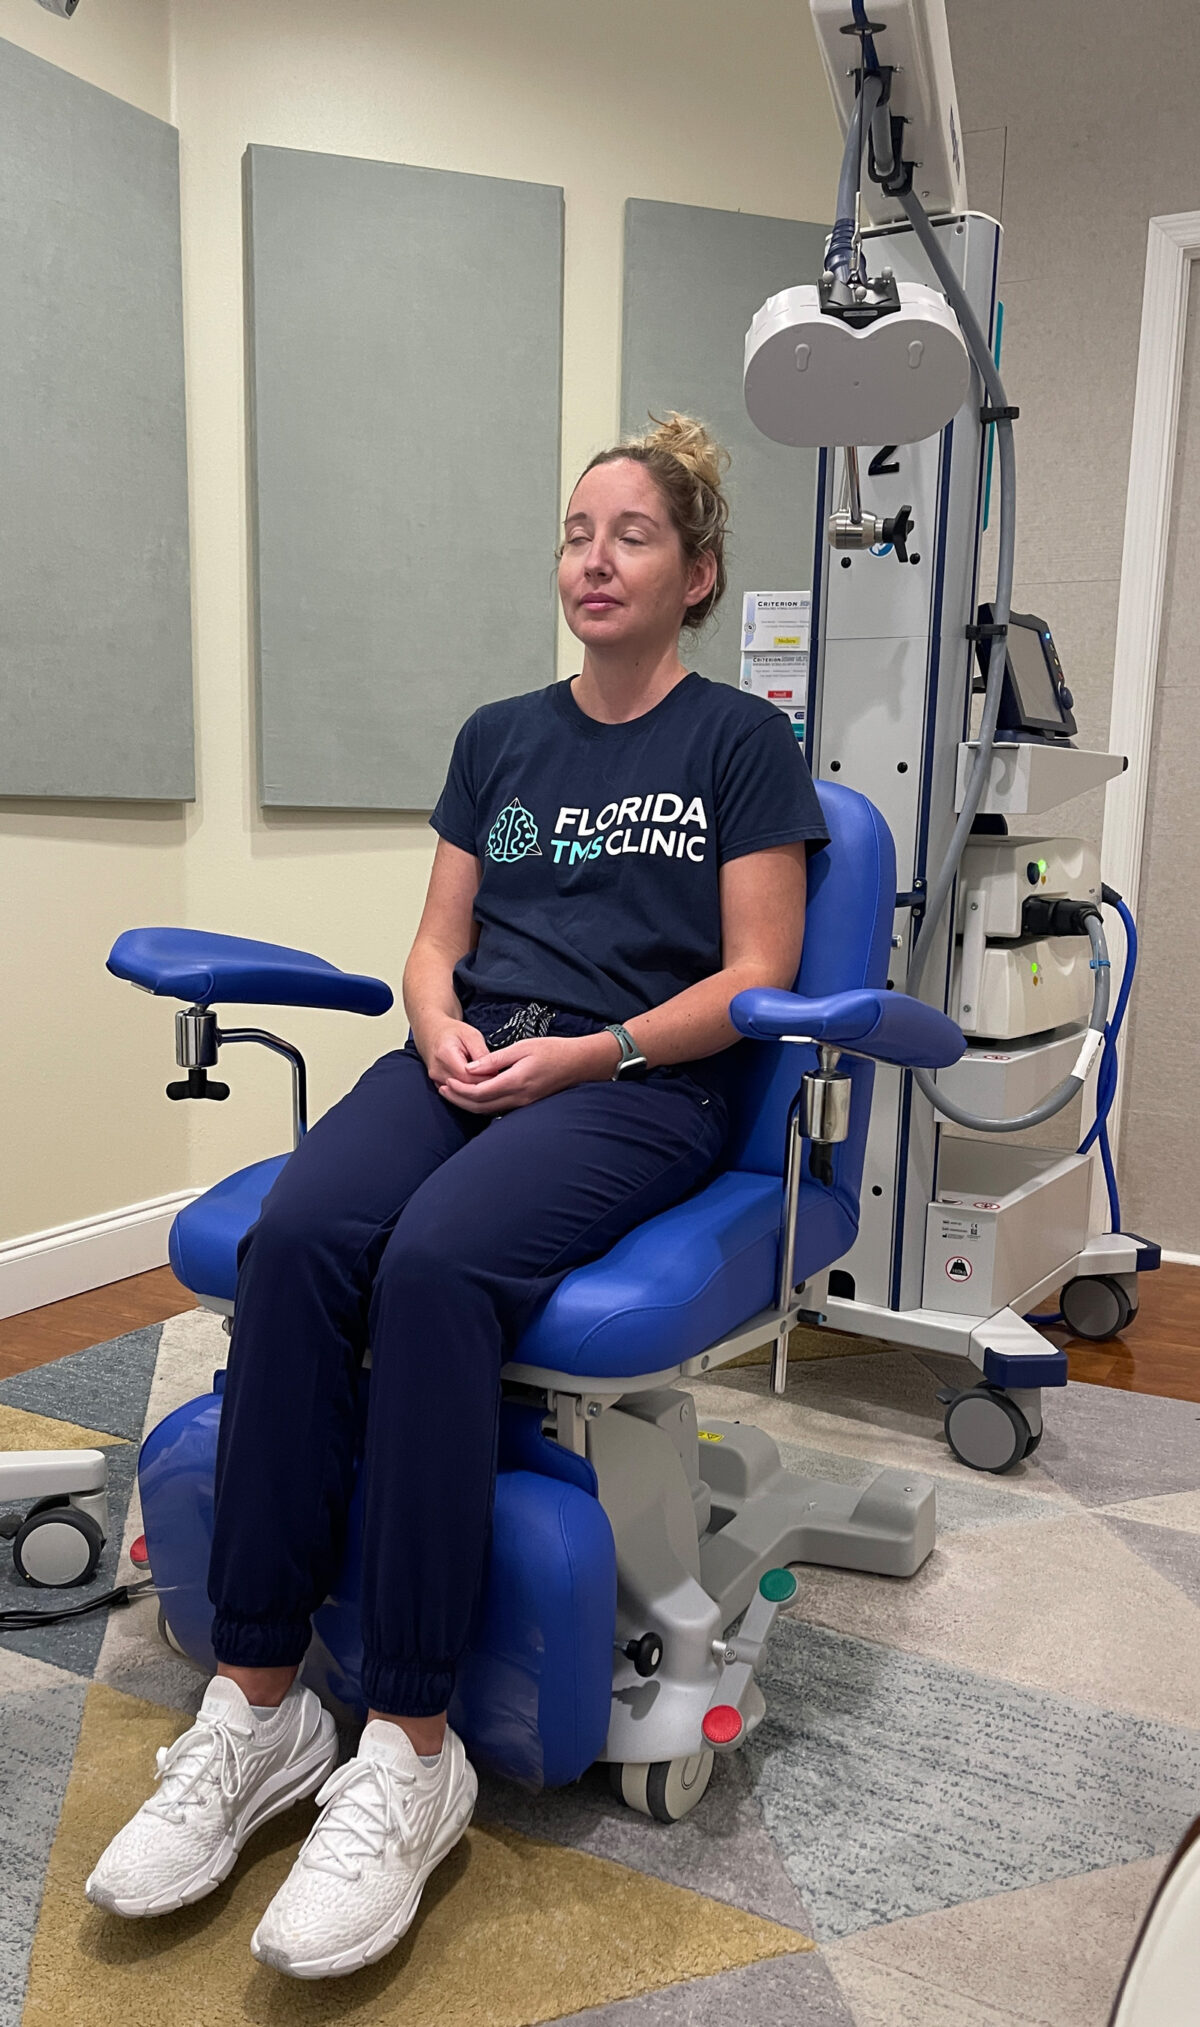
(259, 1643)
(406, 1688)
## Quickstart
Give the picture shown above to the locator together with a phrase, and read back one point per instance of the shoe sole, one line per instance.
(292, 1784)
(345, 1962)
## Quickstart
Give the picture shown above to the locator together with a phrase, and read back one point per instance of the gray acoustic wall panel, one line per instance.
(405, 361)
(693, 280)
(95, 625)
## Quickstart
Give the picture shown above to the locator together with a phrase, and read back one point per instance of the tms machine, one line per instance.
(887, 365)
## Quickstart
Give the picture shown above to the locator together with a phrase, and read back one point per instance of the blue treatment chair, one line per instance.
(637, 1560)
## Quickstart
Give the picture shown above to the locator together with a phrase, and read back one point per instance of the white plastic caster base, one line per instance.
(665, 1789)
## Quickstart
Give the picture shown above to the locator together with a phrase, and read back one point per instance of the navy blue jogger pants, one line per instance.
(431, 1234)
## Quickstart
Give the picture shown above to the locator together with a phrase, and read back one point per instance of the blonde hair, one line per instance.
(687, 466)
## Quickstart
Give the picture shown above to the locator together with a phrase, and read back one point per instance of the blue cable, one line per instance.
(870, 59)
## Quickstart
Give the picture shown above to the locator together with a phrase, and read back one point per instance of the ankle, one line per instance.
(427, 1735)
(263, 1688)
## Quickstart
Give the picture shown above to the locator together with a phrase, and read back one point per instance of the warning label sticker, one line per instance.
(959, 1269)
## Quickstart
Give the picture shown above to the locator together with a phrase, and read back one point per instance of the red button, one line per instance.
(722, 1724)
(137, 1553)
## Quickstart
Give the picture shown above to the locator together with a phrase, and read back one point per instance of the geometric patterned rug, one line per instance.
(953, 1815)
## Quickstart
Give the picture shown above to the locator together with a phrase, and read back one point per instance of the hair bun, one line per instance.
(682, 437)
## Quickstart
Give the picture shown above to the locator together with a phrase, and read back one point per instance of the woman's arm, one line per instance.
(446, 932)
(762, 931)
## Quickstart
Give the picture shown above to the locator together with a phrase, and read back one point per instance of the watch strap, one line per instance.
(632, 1059)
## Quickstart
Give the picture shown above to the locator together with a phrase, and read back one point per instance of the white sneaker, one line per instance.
(358, 1878)
(217, 1784)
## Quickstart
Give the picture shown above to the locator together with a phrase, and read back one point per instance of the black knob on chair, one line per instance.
(646, 1654)
(198, 1085)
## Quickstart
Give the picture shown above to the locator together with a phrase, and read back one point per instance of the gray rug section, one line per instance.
(72, 1643)
(104, 1388)
(41, 1726)
(1103, 1445)
(1168, 1550)
(894, 1785)
(722, 1849)
(782, 1992)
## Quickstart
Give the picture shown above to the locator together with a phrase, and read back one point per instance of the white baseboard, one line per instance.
(47, 1266)
(1182, 1259)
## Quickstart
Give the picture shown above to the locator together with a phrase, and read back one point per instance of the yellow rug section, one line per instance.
(510, 1932)
(20, 1430)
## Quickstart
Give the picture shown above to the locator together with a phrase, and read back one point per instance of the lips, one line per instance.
(598, 604)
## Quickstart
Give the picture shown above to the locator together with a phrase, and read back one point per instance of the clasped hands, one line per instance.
(466, 1073)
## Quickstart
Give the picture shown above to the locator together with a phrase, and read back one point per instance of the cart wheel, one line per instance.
(986, 1430)
(1096, 1307)
(665, 1789)
(56, 1545)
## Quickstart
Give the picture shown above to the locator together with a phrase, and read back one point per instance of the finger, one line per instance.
(473, 1044)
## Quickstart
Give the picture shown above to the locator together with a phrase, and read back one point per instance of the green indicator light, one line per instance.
(778, 1587)
(1041, 866)
(1034, 969)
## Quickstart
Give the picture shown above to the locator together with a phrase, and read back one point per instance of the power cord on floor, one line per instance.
(22, 1620)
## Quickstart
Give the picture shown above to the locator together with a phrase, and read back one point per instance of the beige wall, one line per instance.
(79, 1055)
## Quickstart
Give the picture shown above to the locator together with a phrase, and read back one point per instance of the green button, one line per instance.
(778, 1586)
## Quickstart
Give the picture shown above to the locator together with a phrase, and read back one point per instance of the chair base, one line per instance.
(698, 1519)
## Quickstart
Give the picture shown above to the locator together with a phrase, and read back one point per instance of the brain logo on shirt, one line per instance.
(514, 835)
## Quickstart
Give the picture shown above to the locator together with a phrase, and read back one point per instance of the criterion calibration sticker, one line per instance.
(709, 1436)
(959, 1269)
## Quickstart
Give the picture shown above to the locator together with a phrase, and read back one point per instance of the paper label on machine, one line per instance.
(776, 621)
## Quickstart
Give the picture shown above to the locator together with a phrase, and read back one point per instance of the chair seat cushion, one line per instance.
(207, 1233)
(666, 1290)
(664, 1293)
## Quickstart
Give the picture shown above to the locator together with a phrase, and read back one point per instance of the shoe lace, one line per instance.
(363, 1803)
(208, 1752)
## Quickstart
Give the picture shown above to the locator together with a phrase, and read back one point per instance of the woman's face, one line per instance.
(621, 576)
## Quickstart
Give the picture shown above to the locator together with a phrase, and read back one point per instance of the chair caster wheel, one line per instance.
(57, 1544)
(1096, 1306)
(665, 1789)
(986, 1430)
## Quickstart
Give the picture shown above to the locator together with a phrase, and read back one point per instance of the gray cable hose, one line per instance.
(939, 893)
(841, 239)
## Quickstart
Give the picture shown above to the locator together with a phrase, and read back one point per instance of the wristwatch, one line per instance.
(632, 1063)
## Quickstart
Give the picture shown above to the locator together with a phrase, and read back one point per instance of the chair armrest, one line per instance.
(200, 967)
(887, 1026)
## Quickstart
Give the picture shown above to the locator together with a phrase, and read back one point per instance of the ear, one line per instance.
(701, 578)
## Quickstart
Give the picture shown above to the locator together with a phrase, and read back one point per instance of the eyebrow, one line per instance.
(626, 514)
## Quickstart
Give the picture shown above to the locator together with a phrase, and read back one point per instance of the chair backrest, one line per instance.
(847, 939)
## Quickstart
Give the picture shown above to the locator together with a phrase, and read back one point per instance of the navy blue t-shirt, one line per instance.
(600, 844)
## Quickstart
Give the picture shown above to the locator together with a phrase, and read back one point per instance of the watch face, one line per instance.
(631, 1067)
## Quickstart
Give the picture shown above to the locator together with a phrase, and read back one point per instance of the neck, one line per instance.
(625, 684)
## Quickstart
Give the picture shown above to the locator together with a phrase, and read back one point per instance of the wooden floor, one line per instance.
(1160, 1354)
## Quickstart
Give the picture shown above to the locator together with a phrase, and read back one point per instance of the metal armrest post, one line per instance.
(299, 1073)
(787, 1250)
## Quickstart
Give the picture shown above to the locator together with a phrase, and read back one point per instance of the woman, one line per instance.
(617, 857)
